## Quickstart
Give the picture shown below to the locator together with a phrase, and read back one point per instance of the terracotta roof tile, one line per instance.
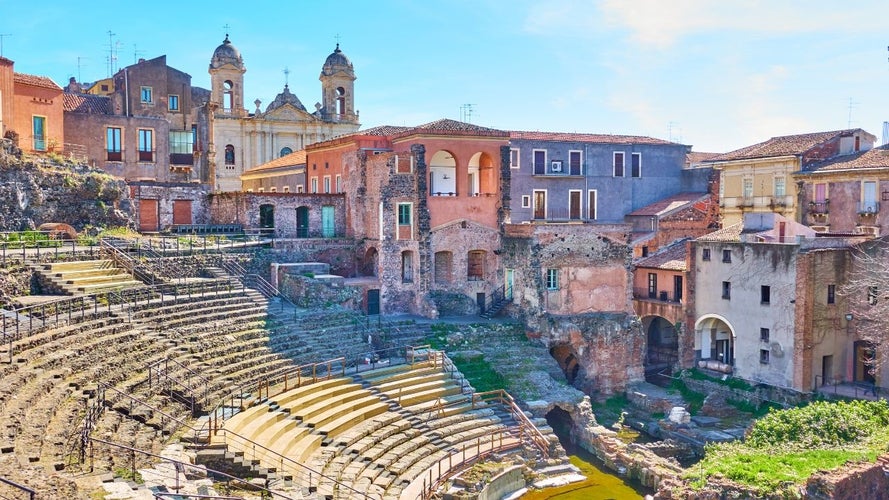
(86, 103)
(289, 160)
(447, 126)
(35, 81)
(595, 138)
(785, 145)
(667, 205)
(876, 158)
(727, 234)
(382, 130)
(695, 157)
(672, 257)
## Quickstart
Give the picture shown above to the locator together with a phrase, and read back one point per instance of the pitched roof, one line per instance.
(446, 126)
(785, 145)
(667, 205)
(727, 234)
(876, 158)
(35, 81)
(575, 137)
(695, 157)
(671, 257)
(86, 103)
(289, 160)
(382, 130)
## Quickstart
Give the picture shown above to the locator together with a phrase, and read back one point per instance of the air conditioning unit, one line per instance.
(555, 166)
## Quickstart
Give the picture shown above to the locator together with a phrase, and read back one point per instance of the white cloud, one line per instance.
(661, 23)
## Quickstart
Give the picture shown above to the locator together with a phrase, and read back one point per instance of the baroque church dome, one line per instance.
(337, 61)
(226, 54)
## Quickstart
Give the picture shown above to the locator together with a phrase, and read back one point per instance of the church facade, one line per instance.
(238, 140)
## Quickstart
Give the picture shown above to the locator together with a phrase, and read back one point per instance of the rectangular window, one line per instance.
(182, 147)
(513, 158)
(747, 187)
(552, 279)
(539, 162)
(820, 192)
(314, 185)
(591, 208)
(727, 290)
(286, 189)
(475, 269)
(636, 165)
(780, 187)
(764, 334)
(705, 254)
(652, 285)
(327, 184)
(726, 256)
(145, 94)
(869, 197)
(526, 201)
(173, 102)
(764, 356)
(146, 145)
(618, 164)
(404, 164)
(404, 214)
(831, 294)
(765, 294)
(872, 292)
(300, 188)
(112, 143)
(405, 229)
(575, 160)
(339, 183)
(38, 129)
(273, 189)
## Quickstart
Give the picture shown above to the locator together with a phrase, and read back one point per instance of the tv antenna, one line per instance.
(136, 54)
(852, 104)
(466, 113)
(79, 59)
(2, 36)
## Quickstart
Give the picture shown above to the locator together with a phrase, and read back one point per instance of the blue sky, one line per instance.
(718, 75)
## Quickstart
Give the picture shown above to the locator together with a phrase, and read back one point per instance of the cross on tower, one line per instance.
(226, 28)
(286, 75)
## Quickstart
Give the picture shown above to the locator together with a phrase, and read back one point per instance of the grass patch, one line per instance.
(786, 447)
(731, 382)
(480, 373)
(694, 399)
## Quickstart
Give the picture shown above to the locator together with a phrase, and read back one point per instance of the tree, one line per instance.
(866, 291)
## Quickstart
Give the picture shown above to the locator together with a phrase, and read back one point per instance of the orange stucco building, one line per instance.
(38, 113)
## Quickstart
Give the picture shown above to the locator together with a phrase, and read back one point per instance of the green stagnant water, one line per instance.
(599, 484)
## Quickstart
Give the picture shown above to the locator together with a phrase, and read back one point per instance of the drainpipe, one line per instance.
(126, 95)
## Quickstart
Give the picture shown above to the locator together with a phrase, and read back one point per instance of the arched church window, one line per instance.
(340, 101)
(229, 155)
(285, 151)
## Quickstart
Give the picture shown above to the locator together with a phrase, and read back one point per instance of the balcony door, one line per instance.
(539, 205)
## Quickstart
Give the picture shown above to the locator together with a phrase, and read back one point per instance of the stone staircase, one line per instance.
(83, 277)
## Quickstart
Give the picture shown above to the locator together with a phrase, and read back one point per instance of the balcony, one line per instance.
(819, 207)
(660, 295)
(559, 215)
(868, 208)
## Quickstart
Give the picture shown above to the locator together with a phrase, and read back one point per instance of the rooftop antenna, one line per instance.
(466, 113)
(111, 56)
(2, 36)
(852, 104)
(136, 54)
(79, 59)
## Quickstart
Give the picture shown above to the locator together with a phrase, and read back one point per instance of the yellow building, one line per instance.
(757, 178)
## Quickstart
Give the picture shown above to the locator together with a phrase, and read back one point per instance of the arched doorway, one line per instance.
(662, 351)
(566, 357)
(715, 343)
(481, 177)
(370, 262)
(442, 174)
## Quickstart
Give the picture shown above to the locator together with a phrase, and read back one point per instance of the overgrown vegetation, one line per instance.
(479, 373)
(730, 382)
(694, 399)
(785, 447)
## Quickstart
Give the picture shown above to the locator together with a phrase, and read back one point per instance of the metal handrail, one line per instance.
(504, 398)
(31, 493)
(155, 368)
(285, 459)
(183, 465)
